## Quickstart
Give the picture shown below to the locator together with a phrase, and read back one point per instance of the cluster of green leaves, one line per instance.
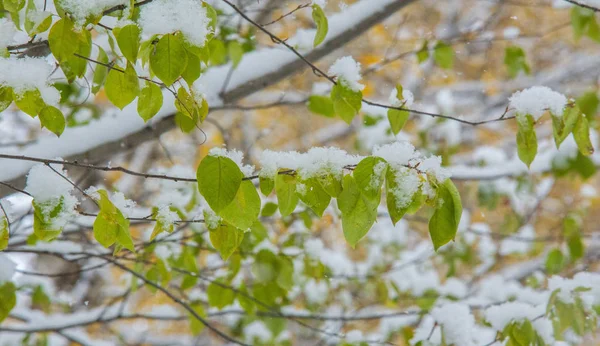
(32, 103)
(110, 226)
(443, 54)
(515, 61)
(572, 121)
(519, 333)
(342, 101)
(556, 261)
(236, 202)
(572, 315)
(170, 58)
(583, 22)
(44, 216)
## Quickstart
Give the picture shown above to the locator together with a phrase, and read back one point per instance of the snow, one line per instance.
(347, 71)
(303, 40)
(408, 167)
(317, 161)
(7, 32)
(536, 101)
(511, 32)
(166, 216)
(211, 219)
(518, 244)
(567, 287)
(80, 10)
(489, 156)
(378, 174)
(236, 156)
(316, 292)
(25, 74)
(457, 323)
(7, 268)
(591, 3)
(499, 316)
(398, 153)
(165, 17)
(48, 189)
(257, 330)
(44, 184)
(407, 182)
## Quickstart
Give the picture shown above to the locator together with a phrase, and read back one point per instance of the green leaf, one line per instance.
(526, 139)
(584, 166)
(128, 39)
(580, 18)
(6, 97)
(358, 211)
(554, 262)
(264, 267)
(346, 102)
(581, 133)
(219, 296)
(514, 59)
(244, 209)
(169, 58)
(269, 209)
(423, 53)
(576, 247)
(111, 226)
(196, 326)
(588, 103)
(100, 71)
(563, 125)
(322, 105)
(185, 123)
(369, 175)
(65, 41)
(4, 233)
(226, 239)
(218, 52)
(122, 86)
(13, 5)
(30, 102)
(397, 119)
(396, 212)
(219, 179)
(443, 225)
(40, 300)
(150, 102)
(285, 188)
(266, 185)
(192, 69)
(52, 119)
(593, 30)
(443, 55)
(42, 220)
(313, 195)
(186, 104)
(320, 19)
(235, 52)
(9, 299)
(332, 184)
(285, 270)
(187, 260)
